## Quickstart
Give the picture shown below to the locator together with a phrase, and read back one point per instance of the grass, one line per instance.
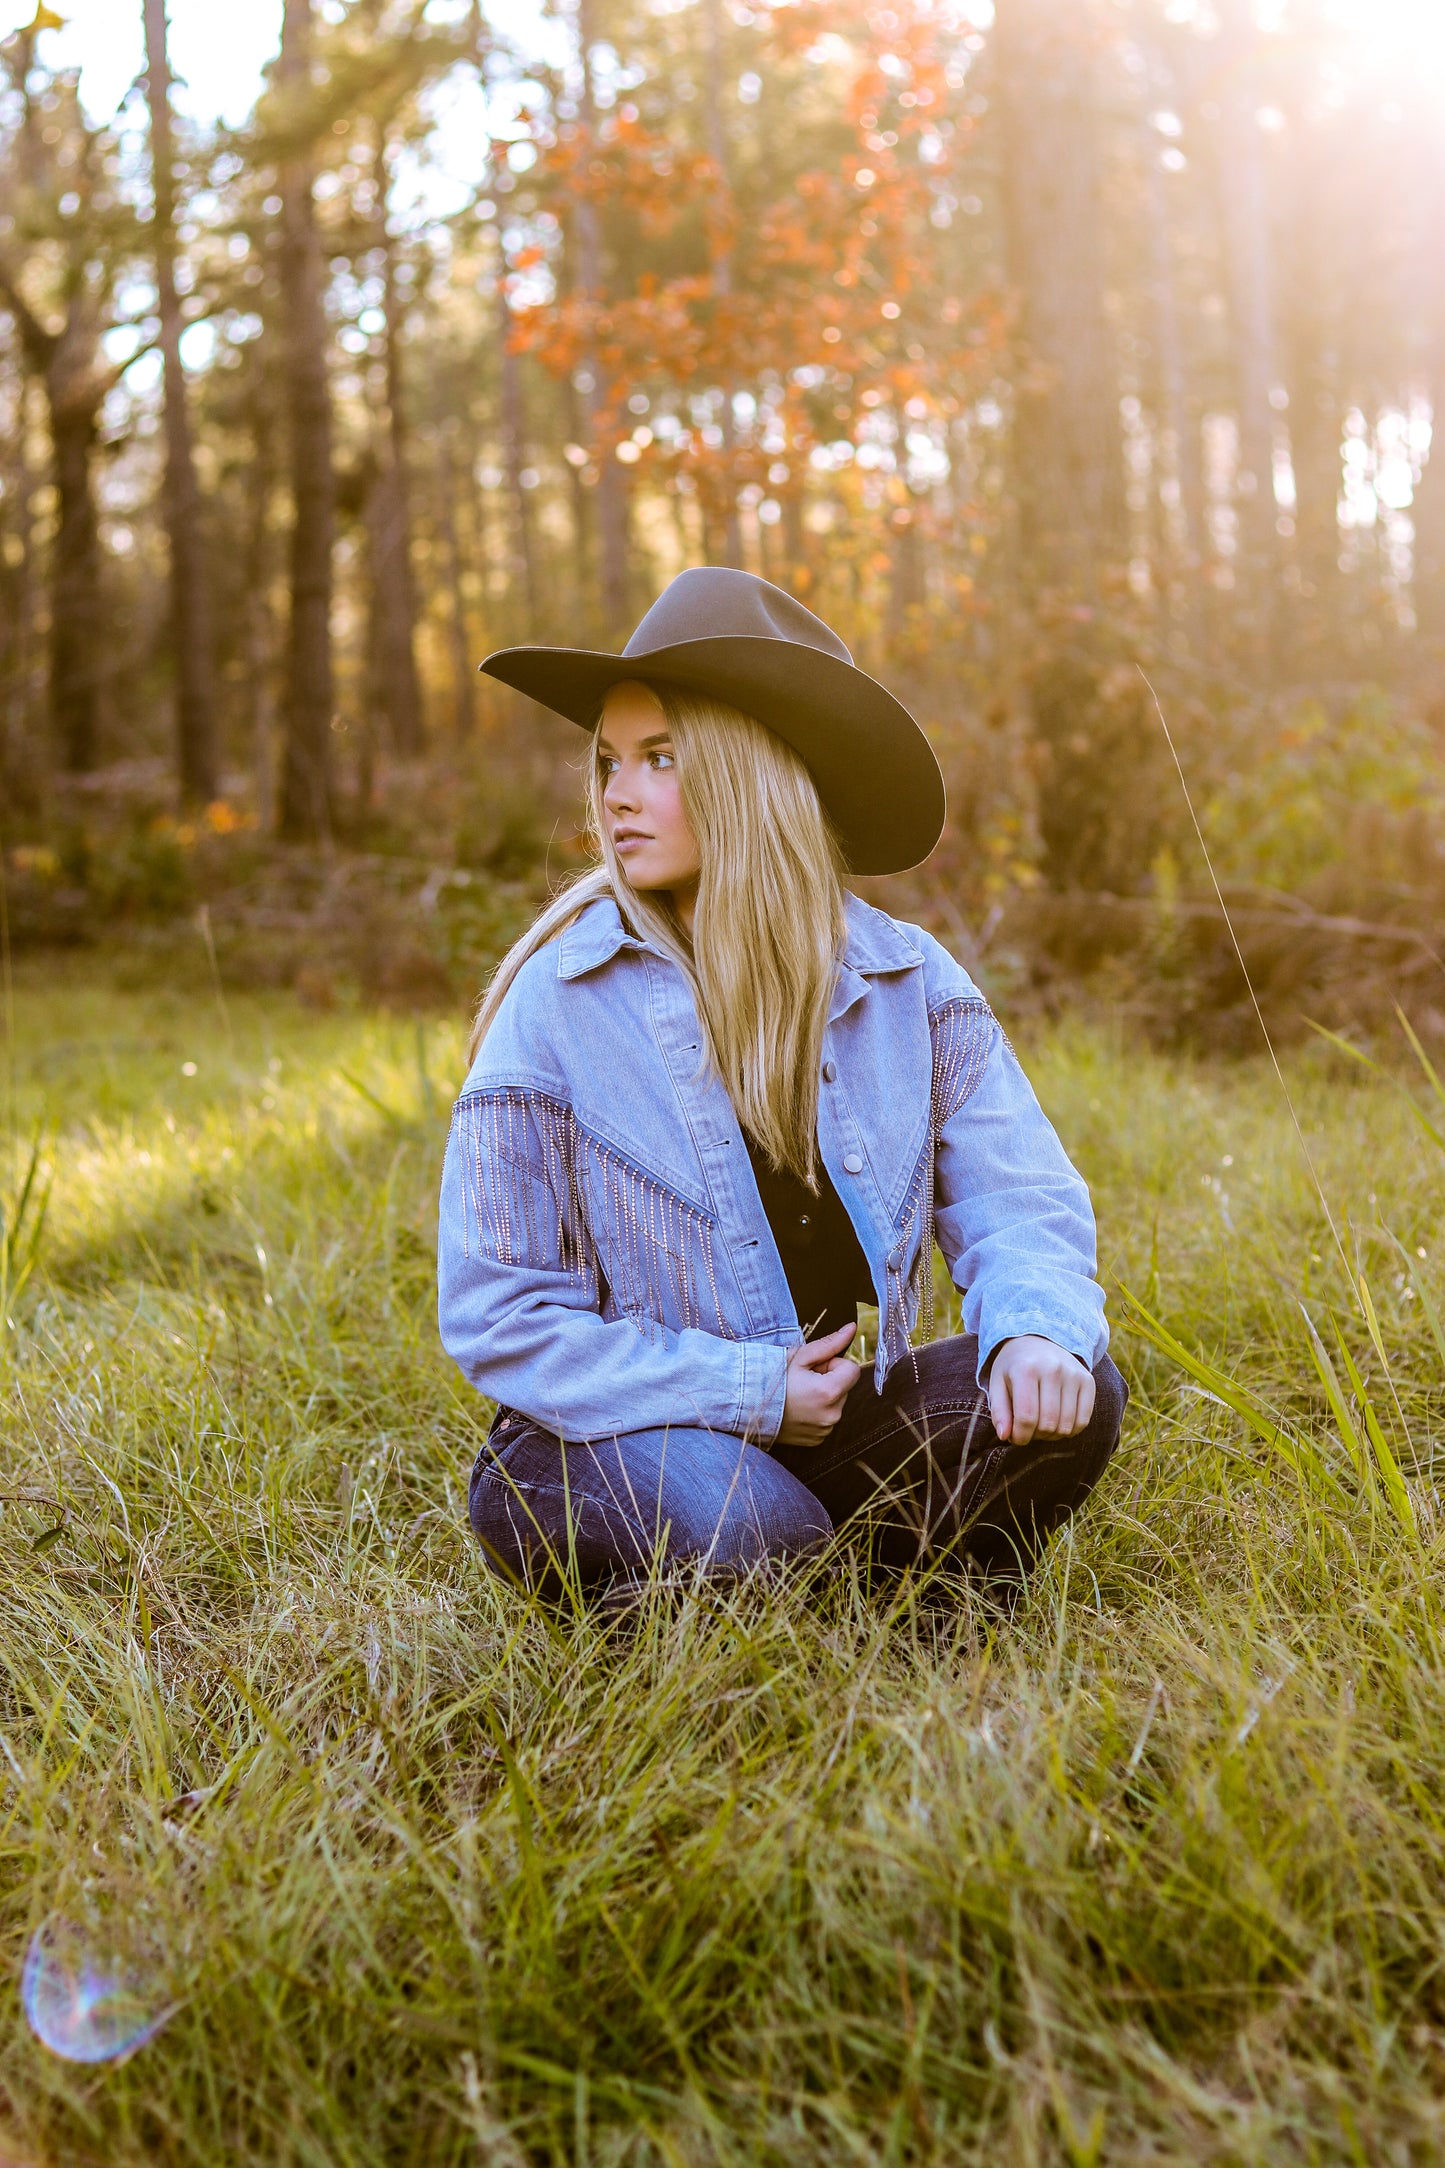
(426, 1874)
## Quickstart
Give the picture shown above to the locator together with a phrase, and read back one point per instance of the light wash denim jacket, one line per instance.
(605, 1261)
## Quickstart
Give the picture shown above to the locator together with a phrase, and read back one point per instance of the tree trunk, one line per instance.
(464, 694)
(397, 688)
(722, 269)
(1068, 453)
(514, 449)
(190, 589)
(23, 767)
(1244, 216)
(599, 398)
(907, 587)
(258, 637)
(1181, 462)
(306, 786)
(795, 537)
(77, 630)
(1429, 515)
(1316, 430)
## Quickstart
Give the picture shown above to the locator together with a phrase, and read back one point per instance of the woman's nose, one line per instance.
(618, 794)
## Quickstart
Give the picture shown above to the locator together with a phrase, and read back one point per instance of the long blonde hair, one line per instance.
(767, 930)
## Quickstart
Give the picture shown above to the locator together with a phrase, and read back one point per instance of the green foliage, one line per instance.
(1314, 794)
(788, 1875)
(1105, 787)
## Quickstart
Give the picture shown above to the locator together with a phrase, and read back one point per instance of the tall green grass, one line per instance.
(787, 1874)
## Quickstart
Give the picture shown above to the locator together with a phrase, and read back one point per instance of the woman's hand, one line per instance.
(820, 1378)
(1037, 1390)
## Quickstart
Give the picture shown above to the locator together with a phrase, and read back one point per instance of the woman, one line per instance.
(715, 1102)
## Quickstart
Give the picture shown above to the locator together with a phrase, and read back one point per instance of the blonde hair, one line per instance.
(767, 930)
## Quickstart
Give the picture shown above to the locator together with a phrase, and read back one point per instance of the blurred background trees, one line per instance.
(1030, 344)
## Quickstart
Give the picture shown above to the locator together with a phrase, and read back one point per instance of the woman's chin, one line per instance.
(646, 880)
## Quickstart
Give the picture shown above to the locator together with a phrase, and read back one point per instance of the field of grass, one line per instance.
(417, 1872)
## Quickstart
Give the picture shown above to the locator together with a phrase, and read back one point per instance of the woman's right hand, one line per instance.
(820, 1378)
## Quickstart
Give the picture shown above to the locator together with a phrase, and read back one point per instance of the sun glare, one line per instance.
(1396, 34)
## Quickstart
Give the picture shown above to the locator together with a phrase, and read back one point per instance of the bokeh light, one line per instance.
(84, 2007)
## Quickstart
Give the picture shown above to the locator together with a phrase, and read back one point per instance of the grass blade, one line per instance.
(1420, 1055)
(1422, 1295)
(1389, 1467)
(1339, 1407)
(1297, 1452)
(1367, 1061)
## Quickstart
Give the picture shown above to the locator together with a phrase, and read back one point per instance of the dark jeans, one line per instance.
(918, 1464)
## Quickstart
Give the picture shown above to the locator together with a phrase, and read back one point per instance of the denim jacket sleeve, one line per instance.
(1012, 1216)
(527, 1331)
(520, 1297)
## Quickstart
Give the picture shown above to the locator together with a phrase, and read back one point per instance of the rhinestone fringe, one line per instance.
(963, 1034)
(539, 1190)
(542, 1191)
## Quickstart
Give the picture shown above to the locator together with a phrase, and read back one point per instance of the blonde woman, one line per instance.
(715, 1102)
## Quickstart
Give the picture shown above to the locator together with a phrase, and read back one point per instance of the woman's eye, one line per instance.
(662, 760)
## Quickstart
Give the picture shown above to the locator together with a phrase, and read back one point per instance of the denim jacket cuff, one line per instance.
(1087, 1342)
(764, 1391)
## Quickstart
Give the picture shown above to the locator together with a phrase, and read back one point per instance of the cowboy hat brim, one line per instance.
(876, 773)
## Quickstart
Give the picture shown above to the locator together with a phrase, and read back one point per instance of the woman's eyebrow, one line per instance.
(644, 745)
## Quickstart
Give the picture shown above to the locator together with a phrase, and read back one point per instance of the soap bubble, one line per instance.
(86, 2009)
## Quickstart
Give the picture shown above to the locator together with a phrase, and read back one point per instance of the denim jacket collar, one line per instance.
(875, 947)
(593, 939)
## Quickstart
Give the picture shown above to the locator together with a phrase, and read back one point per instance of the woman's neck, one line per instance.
(684, 906)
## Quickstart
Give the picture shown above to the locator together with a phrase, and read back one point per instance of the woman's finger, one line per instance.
(1000, 1407)
(1024, 1393)
(1051, 1404)
(818, 1352)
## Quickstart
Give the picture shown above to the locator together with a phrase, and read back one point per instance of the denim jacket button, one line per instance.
(853, 1163)
(830, 1071)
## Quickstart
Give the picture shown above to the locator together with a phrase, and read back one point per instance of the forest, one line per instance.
(1080, 361)
(1078, 366)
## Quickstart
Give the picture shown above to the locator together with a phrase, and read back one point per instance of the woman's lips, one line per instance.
(629, 839)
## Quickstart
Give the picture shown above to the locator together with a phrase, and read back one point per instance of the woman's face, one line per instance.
(641, 799)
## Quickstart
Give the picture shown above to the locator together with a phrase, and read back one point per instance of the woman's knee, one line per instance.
(736, 1506)
(1111, 1398)
(619, 1505)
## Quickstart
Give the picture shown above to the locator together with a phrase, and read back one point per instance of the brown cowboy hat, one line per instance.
(714, 630)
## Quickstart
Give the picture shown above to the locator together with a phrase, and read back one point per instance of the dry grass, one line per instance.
(791, 1875)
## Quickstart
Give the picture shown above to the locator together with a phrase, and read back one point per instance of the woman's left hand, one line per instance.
(1038, 1390)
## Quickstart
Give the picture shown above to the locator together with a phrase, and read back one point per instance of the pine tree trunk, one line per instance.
(514, 450)
(1244, 210)
(722, 269)
(306, 785)
(907, 587)
(23, 766)
(464, 692)
(396, 688)
(191, 620)
(1429, 515)
(1068, 452)
(77, 629)
(598, 397)
(1181, 557)
(1317, 428)
(258, 632)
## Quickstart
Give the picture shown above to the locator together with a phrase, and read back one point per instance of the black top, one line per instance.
(827, 1272)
